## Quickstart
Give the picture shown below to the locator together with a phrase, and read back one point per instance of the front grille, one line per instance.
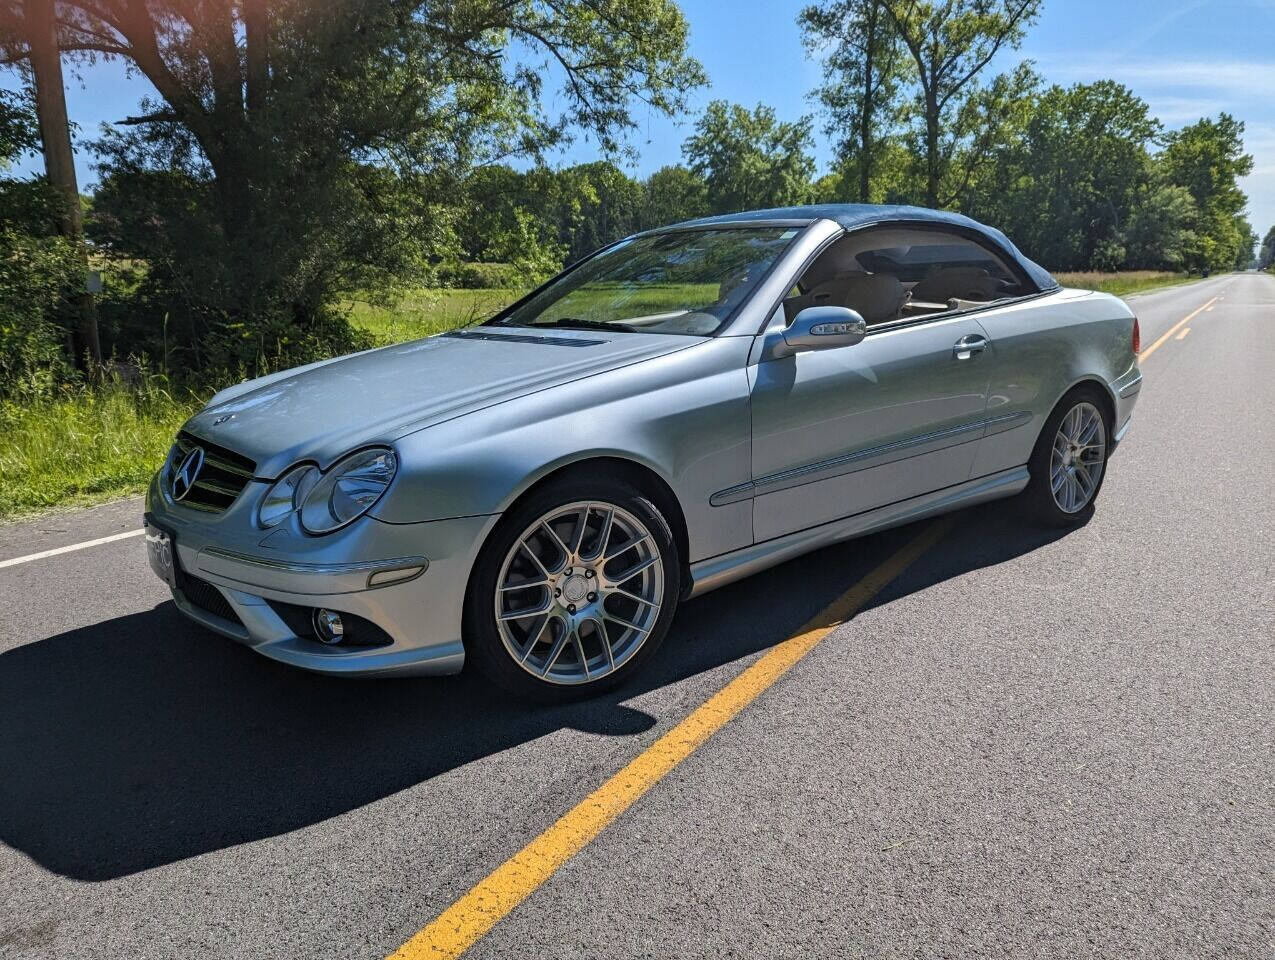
(206, 597)
(220, 480)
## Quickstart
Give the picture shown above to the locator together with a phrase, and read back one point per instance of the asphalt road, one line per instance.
(1028, 744)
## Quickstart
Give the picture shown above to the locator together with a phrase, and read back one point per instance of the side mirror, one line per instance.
(821, 328)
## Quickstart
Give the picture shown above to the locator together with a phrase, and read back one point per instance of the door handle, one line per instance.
(966, 347)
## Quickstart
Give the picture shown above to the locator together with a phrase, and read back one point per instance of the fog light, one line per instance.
(328, 627)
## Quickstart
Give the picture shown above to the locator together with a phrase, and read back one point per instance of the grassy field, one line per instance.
(88, 446)
(426, 312)
(95, 444)
(1123, 284)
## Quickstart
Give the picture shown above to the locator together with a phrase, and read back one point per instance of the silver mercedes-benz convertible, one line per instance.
(683, 408)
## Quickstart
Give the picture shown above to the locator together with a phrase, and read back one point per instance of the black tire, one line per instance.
(1037, 498)
(484, 647)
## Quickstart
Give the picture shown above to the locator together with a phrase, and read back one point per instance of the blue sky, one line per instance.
(1186, 58)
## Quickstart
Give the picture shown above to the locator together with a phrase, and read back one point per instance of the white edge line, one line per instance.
(70, 549)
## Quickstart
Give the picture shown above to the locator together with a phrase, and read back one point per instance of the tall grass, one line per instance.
(1121, 284)
(92, 443)
(424, 312)
(86, 444)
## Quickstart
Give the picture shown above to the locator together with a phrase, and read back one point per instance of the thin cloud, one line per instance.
(1228, 81)
(1148, 32)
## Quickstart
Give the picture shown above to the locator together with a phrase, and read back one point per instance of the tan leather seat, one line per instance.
(832, 291)
(877, 297)
(957, 283)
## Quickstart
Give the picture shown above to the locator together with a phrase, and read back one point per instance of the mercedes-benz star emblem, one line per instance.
(186, 473)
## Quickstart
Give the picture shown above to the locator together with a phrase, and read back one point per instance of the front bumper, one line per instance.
(268, 579)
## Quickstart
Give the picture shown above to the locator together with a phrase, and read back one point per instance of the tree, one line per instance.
(39, 267)
(36, 36)
(552, 214)
(951, 43)
(1068, 182)
(750, 159)
(990, 116)
(864, 72)
(1248, 243)
(673, 194)
(1266, 256)
(309, 148)
(1208, 158)
(588, 205)
(1159, 234)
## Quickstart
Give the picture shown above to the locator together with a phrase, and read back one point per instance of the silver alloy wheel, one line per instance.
(1078, 457)
(579, 592)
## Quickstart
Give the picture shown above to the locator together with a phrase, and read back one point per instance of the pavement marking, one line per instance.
(1174, 329)
(1182, 335)
(71, 549)
(467, 920)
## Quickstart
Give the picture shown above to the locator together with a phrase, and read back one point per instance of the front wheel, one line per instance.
(575, 589)
(1070, 460)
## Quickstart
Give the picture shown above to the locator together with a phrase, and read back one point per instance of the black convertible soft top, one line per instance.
(855, 216)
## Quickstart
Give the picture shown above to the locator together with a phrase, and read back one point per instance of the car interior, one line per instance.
(901, 273)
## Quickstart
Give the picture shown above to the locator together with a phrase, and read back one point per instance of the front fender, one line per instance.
(684, 416)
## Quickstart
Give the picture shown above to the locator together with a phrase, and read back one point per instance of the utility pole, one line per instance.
(59, 161)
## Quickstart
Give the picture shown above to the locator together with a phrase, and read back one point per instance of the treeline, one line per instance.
(1266, 257)
(298, 153)
(38, 267)
(1089, 180)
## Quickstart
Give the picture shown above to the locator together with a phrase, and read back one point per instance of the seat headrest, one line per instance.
(877, 297)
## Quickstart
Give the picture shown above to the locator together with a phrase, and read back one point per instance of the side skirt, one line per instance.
(718, 571)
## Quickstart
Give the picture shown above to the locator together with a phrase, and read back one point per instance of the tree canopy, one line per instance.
(304, 148)
(750, 158)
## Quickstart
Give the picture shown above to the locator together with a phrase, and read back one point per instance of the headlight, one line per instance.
(348, 490)
(286, 495)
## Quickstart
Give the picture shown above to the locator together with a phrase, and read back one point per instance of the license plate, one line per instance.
(162, 554)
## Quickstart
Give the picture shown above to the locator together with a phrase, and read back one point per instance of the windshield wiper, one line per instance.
(576, 323)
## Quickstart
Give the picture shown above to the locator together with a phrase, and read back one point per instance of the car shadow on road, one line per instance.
(145, 740)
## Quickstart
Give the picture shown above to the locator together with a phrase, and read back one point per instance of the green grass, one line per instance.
(1123, 284)
(88, 446)
(423, 313)
(98, 443)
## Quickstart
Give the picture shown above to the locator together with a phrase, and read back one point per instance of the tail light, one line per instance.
(1137, 338)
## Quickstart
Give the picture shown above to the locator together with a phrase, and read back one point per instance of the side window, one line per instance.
(898, 274)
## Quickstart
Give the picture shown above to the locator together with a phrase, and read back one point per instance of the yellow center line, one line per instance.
(1182, 335)
(473, 915)
(1174, 329)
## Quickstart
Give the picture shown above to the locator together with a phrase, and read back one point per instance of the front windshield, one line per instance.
(684, 282)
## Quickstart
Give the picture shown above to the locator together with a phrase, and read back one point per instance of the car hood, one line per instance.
(324, 410)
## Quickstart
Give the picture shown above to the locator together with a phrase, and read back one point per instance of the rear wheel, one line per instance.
(575, 589)
(1070, 460)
